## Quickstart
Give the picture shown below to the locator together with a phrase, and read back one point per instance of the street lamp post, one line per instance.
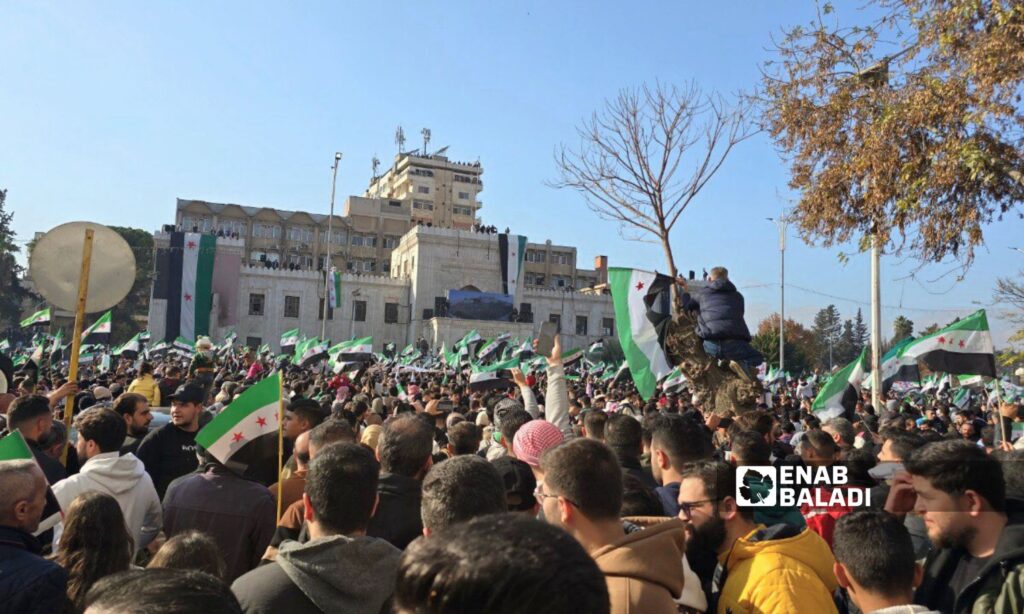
(327, 260)
(781, 222)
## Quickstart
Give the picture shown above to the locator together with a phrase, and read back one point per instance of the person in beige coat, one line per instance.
(145, 385)
(582, 493)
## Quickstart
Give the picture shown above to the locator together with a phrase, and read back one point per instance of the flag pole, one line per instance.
(999, 414)
(280, 441)
(76, 341)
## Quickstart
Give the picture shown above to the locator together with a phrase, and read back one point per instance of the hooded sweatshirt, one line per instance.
(778, 569)
(125, 479)
(644, 570)
(329, 574)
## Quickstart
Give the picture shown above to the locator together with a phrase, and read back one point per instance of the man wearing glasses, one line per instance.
(760, 569)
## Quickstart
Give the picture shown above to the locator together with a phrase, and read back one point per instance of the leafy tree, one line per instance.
(906, 127)
(1010, 292)
(826, 329)
(136, 303)
(11, 291)
(931, 328)
(846, 349)
(800, 344)
(901, 329)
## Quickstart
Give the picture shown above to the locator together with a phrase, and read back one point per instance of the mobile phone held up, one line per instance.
(546, 339)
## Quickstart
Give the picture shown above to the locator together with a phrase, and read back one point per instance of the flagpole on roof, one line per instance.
(327, 260)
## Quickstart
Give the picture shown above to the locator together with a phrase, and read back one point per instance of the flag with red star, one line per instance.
(642, 303)
(963, 347)
(245, 433)
(184, 278)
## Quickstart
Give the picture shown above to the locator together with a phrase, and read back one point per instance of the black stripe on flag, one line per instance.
(163, 271)
(503, 257)
(659, 305)
(959, 363)
(174, 263)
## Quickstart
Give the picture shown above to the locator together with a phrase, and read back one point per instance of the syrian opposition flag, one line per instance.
(290, 339)
(572, 357)
(402, 394)
(185, 279)
(57, 347)
(131, 348)
(40, 317)
(14, 447)
(357, 350)
(184, 347)
(4, 345)
(962, 347)
(468, 339)
(99, 332)
(511, 249)
(490, 377)
(334, 288)
(894, 370)
(310, 352)
(490, 350)
(839, 394)
(642, 303)
(246, 432)
(159, 350)
(674, 380)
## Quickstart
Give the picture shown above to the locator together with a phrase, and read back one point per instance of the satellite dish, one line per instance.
(56, 264)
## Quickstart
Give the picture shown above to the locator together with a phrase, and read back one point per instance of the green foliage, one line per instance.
(124, 325)
(902, 327)
(11, 291)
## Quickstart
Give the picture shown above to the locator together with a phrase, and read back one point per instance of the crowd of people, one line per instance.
(416, 491)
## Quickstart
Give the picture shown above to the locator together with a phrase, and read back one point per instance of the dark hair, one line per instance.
(330, 431)
(163, 591)
(901, 442)
(500, 564)
(876, 550)
(511, 421)
(757, 420)
(682, 439)
(95, 542)
(749, 447)
(624, 435)
(587, 473)
(28, 407)
(594, 421)
(956, 466)
(719, 479)
(464, 437)
(461, 488)
(103, 426)
(125, 404)
(639, 500)
(146, 368)
(190, 550)
(342, 486)
(821, 442)
(405, 445)
(1013, 471)
(307, 409)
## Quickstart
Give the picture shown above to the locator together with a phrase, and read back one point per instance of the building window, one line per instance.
(533, 255)
(581, 325)
(422, 189)
(467, 211)
(303, 234)
(231, 227)
(359, 311)
(561, 258)
(557, 319)
(390, 242)
(320, 311)
(266, 231)
(607, 326)
(339, 237)
(291, 306)
(425, 205)
(395, 203)
(253, 343)
(464, 195)
(256, 303)
(391, 313)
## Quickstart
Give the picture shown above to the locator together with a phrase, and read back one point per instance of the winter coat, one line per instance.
(720, 312)
(29, 584)
(397, 519)
(778, 569)
(999, 586)
(329, 574)
(644, 570)
(125, 479)
(147, 387)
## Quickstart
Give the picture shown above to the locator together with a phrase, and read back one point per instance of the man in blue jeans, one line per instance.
(720, 323)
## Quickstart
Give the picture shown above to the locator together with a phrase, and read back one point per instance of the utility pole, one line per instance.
(876, 323)
(327, 260)
(781, 222)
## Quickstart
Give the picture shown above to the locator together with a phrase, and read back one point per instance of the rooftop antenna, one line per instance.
(375, 163)
(400, 139)
(426, 140)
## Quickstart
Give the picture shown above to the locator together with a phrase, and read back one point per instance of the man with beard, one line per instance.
(134, 408)
(760, 569)
(170, 451)
(978, 560)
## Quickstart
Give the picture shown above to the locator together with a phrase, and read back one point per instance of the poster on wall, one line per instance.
(475, 305)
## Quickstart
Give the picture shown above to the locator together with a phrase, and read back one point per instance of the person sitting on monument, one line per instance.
(720, 323)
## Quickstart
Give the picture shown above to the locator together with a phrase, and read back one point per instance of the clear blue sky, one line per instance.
(111, 110)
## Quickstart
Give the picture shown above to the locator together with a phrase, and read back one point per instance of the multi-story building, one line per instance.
(438, 191)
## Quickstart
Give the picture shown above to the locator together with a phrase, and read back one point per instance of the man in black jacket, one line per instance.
(720, 323)
(404, 453)
(28, 582)
(170, 451)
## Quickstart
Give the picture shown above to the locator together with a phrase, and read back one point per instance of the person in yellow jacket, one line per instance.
(760, 569)
(145, 385)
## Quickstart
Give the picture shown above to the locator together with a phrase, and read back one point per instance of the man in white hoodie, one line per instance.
(101, 432)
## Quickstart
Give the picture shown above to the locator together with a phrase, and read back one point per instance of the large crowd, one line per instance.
(410, 490)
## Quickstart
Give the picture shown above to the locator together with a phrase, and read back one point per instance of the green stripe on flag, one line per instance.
(260, 395)
(204, 283)
(14, 447)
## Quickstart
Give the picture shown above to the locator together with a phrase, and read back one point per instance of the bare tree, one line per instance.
(646, 155)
